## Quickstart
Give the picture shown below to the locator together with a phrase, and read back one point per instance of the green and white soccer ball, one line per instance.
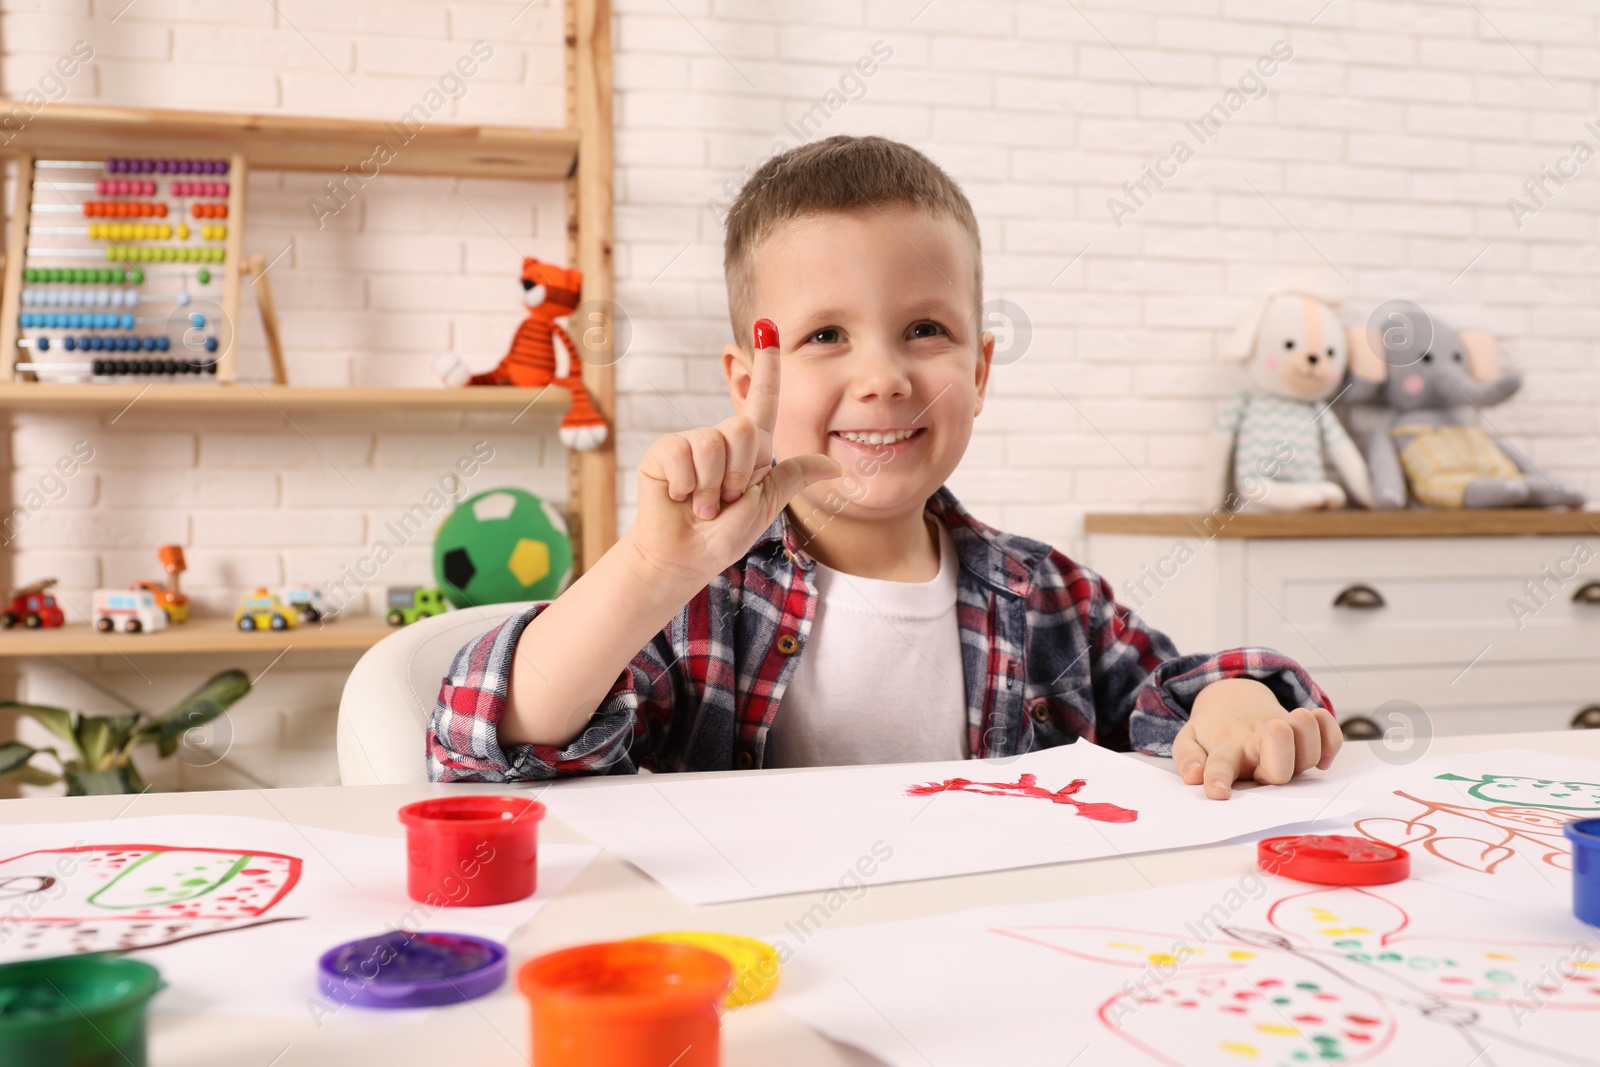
(500, 546)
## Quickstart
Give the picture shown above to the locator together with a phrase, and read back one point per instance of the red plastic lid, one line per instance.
(1333, 859)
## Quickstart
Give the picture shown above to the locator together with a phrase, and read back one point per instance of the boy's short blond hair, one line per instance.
(836, 175)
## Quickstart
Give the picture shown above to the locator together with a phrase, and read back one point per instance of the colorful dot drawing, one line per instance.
(1298, 994)
(108, 897)
(1027, 786)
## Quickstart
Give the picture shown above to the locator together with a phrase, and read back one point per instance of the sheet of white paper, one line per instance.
(1485, 822)
(1255, 970)
(250, 944)
(744, 836)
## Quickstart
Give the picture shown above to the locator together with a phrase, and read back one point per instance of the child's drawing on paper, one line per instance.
(1028, 786)
(1520, 817)
(1521, 791)
(94, 898)
(1333, 979)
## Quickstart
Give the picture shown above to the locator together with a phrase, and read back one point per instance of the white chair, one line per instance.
(383, 713)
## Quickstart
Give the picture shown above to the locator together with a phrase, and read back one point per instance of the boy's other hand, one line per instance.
(1237, 729)
(706, 494)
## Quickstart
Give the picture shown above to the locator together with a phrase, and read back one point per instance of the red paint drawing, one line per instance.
(1332, 980)
(1027, 786)
(97, 898)
(1522, 817)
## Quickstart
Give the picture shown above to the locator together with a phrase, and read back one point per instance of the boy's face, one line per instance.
(881, 368)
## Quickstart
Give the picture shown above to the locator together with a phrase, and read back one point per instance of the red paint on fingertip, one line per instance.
(766, 334)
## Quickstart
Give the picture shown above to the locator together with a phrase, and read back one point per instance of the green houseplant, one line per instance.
(99, 758)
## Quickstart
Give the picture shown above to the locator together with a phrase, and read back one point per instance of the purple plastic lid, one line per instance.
(401, 970)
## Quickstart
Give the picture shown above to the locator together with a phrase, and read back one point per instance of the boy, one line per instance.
(798, 588)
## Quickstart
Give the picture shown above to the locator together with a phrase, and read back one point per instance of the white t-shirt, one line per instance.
(880, 678)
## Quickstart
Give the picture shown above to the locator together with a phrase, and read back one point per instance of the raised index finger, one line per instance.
(763, 402)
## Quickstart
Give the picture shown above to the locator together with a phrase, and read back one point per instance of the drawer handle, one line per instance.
(1360, 597)
(1588, 593)
(1360, 728)
(1587, 718)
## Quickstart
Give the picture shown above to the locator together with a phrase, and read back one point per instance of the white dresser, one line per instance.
(1486, 621)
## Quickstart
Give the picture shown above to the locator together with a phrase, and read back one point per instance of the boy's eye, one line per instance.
(926, 329)
(828, 335)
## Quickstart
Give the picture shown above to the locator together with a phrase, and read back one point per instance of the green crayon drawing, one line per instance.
(1523, 792)
(175, 876)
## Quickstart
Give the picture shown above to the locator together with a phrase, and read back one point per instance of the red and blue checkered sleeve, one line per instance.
(462, 740)
(1143, 689)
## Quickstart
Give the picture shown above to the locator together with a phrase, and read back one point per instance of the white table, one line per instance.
(610, 900)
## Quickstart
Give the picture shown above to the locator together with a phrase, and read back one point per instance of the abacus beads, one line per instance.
(91, 275)
(120, 187)
(106, 297)
(129, 231)
(164, 253)
(90, 343)
(117, 165)
(196, 188)
(152, 366)
(124, 209)
(76, 320)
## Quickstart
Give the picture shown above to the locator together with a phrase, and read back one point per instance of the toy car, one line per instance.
(173, 603)
(171, 598)
(264, 611)
(33, 607)
(309, 602)
(408, 603)
(129, 610)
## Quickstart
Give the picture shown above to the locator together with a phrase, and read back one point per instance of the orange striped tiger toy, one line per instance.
(550, 292)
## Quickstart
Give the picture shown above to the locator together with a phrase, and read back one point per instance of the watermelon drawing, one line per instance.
(97, 898)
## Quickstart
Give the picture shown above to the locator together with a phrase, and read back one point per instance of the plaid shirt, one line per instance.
(1048, 657)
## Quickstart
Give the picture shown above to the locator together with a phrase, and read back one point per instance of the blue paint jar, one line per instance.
(1585, 837)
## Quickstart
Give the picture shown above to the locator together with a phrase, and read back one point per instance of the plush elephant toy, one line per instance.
(1424, 375)
(1280, 434)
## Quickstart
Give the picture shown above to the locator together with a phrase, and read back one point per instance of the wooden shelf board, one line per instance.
(1307, 524)
(302, 143)
(46, 396)
(356, 633)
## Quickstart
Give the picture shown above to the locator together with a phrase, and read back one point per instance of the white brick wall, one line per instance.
(1381, 161)
(1389, 143)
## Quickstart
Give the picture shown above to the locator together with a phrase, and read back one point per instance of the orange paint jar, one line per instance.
(626, 1004)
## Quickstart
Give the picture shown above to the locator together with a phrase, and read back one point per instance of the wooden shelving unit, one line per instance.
(579, 155)
(1306, 524)
(357, 633)
(306, 143)
(241, 397)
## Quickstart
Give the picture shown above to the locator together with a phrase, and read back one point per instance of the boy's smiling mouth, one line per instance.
(877, 437)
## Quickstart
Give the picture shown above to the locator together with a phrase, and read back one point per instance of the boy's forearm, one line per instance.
(570, 655)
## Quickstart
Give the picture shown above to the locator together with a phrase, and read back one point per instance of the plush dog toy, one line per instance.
(1280, 434)
(534, 361)
(1427, 376)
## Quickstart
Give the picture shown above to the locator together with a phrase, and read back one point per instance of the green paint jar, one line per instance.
(75, 1011)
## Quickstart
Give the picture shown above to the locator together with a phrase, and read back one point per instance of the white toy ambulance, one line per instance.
(128, 610)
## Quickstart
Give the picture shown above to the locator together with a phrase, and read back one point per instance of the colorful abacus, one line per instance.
(63, 308)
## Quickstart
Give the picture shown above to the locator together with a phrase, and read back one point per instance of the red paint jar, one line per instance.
(627, 1004)
(470, 851)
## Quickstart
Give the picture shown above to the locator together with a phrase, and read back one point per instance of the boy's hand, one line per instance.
(705, 495)
(1237, 729)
